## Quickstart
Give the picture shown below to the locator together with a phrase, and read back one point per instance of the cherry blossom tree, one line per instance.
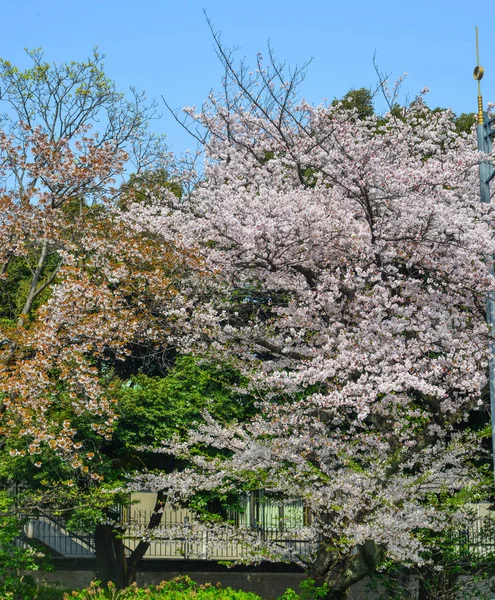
(348, 256)
(59, 184)
(83, 286)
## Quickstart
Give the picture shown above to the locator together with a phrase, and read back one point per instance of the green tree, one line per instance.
(66, 135)
(465, 122)
(149, 409)
(360, 100)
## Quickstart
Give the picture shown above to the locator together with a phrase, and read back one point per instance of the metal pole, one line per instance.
(487, 172)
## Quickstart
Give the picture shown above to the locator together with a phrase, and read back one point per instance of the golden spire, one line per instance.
(478, 75)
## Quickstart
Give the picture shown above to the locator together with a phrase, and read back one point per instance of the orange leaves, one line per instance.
(107, 288)
(60, 169)
(79, 287)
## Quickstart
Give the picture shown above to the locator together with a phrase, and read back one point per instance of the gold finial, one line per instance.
(478, 75)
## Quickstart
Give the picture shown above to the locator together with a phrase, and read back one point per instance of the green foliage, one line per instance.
(74, 92)
(38, 592)
(14, 287)
(465, 122)
(308, 591)
(361, 100)
(141, 188)
(179, 588)
(16, 561)
(448, 582)
(153, 409)
(454, 568)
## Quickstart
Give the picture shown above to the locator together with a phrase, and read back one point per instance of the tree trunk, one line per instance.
(340, 572)
(110, 556)
(112, 563)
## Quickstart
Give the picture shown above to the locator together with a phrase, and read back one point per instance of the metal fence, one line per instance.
(180, 535)
(188, 538)
(476, 540)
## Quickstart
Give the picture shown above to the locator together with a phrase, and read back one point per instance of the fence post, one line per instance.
(186, 538)
(205, 544)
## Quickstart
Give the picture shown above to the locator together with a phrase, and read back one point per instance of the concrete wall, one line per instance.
(267, 586)
(268, 580)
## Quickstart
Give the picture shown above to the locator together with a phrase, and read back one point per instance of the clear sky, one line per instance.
(165, 46)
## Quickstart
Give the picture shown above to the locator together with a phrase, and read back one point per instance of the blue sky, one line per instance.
(165, 47)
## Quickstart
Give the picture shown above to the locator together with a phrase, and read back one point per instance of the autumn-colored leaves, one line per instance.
(80, 284)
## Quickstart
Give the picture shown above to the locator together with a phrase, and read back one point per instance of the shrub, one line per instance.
(179, 588)
(308, 591)
(16, 561)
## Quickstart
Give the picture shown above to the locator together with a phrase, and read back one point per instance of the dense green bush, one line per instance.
(184, 588)
(40, 592)
(179, 588)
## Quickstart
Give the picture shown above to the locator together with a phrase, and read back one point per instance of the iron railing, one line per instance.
(180, 535)
(51, 531)
(476, 540)
(189, 538)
